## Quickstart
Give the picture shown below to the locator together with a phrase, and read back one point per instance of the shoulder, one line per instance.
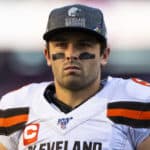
(16, 107)
(138, 88)
(132, 89)
(129, 102)
(23, 96)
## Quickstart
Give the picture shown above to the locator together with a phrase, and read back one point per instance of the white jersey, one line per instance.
(115, 118)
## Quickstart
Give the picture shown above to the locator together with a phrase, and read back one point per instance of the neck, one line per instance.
(74, 98)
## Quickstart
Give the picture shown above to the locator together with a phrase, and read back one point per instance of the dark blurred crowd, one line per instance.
(20, 68)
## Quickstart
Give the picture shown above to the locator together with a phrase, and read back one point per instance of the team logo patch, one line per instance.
(63, 122)
(75, 17)
(74, 12)
(30, 134)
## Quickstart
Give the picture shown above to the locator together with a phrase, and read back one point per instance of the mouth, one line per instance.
(71, 68)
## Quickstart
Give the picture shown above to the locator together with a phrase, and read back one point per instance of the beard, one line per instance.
(72, 82)
(75, 82)
(72, 79)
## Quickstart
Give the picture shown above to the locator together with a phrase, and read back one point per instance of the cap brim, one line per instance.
(48, 35)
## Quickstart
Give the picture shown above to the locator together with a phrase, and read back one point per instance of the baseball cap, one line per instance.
(76, 17)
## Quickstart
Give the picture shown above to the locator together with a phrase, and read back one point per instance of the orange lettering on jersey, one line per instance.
(142, 82)
(30, 134)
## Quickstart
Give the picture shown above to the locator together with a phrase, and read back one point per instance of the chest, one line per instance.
(75, 131)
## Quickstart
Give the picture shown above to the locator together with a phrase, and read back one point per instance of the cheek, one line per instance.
(92, 67)
(56, 68)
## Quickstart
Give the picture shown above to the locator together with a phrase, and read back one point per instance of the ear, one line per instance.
(105, 56)
(47, 56)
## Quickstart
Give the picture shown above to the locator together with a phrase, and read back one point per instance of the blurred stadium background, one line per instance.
(23, 22)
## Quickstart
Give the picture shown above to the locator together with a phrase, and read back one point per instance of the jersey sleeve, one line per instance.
(7, 140)
(129, 110)
(139, 135)
(13, 116)
(128, 138)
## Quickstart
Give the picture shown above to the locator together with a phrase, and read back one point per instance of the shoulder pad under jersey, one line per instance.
(14, 107)
(138, 88)
(130, 103)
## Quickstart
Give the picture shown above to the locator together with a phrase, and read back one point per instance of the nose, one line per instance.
(71, 52)
(72, 58)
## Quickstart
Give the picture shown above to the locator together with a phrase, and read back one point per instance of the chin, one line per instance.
(73, 85)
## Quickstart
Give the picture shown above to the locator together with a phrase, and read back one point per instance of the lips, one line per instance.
(71, 67)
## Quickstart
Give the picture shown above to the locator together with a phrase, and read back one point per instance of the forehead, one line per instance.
(73, 35)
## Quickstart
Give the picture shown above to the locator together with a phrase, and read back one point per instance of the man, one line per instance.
(77, 111)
